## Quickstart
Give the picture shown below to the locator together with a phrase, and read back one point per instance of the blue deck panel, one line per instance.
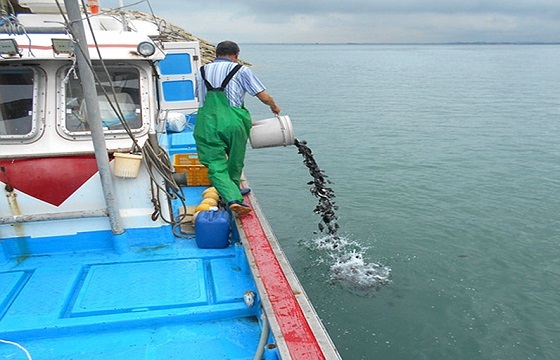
(117, 288)
(163, 302)
(221, 341)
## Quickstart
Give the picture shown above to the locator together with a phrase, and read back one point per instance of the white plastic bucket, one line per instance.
(276, 131)
(127, 165)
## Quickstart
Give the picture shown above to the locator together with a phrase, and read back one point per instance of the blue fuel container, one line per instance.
(212, 229)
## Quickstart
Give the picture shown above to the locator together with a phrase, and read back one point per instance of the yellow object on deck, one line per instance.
(209, 201)
(201, 207)
(197, 174)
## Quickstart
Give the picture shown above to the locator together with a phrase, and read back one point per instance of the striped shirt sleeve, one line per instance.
(244, 81)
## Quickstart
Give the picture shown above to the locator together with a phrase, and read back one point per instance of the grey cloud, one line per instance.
(365, 20)
(318, 7)
(307, 7)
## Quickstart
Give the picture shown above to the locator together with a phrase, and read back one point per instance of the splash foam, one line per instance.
(347, 266)
(345, 256)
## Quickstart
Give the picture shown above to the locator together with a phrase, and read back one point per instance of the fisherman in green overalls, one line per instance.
(223, 123)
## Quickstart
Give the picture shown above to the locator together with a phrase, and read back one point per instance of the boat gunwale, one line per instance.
(319, 335)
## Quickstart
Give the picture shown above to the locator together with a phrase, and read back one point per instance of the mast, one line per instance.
(94, 115)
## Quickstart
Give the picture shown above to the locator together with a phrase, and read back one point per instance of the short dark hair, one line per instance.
(227, 48)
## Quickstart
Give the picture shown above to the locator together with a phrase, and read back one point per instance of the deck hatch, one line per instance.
(139, 286)
(10, 284)
(230, 283)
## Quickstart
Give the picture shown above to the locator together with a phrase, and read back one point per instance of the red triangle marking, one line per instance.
(52, 180)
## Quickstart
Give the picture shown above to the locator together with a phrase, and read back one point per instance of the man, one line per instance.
(223, 124)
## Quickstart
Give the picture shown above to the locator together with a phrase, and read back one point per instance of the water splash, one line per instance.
(347, 267)
(345, 257)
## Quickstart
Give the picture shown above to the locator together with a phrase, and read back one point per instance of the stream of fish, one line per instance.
(344, 256)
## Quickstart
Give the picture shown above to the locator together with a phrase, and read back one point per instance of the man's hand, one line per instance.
(266, 99)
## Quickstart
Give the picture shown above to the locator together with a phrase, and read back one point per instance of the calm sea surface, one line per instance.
(445, 162)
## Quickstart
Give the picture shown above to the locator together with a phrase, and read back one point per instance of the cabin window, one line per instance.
(118, 95)
(16, 103)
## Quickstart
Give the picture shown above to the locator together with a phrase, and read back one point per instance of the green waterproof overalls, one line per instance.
(221, 134)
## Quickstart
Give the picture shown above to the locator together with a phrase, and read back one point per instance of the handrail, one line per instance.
(53, 216)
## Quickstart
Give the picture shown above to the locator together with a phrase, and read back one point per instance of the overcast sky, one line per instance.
(377, 21)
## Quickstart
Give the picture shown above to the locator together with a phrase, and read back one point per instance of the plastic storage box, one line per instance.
(196, 173)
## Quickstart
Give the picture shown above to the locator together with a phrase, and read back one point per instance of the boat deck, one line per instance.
(100, 304)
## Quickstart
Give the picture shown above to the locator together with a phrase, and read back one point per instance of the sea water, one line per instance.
(344, 256)
(445, 162)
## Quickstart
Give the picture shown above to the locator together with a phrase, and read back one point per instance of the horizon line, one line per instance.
(408, 43)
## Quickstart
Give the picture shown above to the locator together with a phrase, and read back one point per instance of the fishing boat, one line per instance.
(104, 251)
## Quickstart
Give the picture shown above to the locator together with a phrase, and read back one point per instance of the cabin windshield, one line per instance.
(16, 103)
(118, 94)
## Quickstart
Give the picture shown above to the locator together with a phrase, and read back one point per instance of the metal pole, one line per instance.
(94, 117)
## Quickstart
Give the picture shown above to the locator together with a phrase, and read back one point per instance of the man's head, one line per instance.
(227, 48)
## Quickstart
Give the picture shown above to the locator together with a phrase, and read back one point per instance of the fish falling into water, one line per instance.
(347, 265)
(325, 207)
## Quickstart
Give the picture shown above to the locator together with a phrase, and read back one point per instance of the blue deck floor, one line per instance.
(163, 302)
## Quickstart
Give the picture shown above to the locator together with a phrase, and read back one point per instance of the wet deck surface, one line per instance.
(162, 302)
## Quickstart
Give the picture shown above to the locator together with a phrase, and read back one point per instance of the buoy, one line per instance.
(212, 195)
(201, 207)
(209, 201)
(210, 189)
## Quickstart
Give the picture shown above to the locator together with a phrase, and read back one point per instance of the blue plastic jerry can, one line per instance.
(212, 228)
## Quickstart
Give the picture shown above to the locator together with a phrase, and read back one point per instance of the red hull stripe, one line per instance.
(299, 337)
(52, 180)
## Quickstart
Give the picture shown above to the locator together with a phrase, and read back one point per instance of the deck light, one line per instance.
(146, 48)
(8, 47)
(62, 46)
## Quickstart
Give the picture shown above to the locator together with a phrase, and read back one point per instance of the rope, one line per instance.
(155, 158)
(157, 161)
(18, 346)
(12, 26)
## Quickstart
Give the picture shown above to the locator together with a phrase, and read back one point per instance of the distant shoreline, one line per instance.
(405, 44)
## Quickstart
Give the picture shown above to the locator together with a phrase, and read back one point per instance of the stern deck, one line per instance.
(100, 304)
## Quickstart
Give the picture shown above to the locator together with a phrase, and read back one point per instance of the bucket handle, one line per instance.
(283, 129)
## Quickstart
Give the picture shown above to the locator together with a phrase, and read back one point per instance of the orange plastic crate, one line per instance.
(197, 174)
